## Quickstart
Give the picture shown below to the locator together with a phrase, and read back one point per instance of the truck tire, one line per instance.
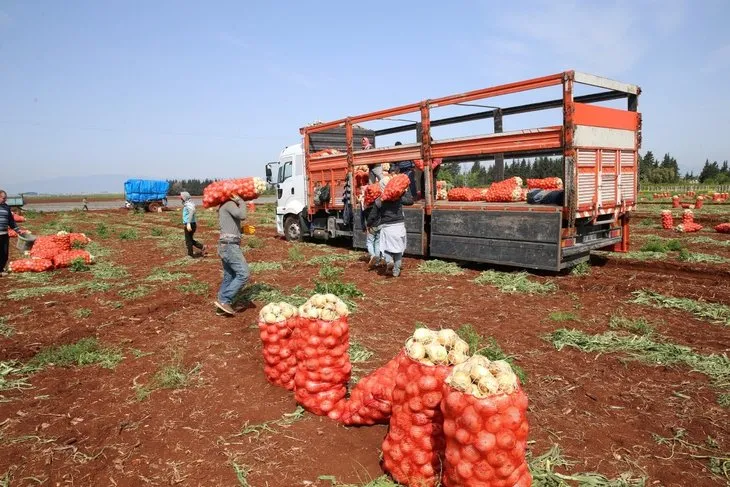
(292, 229)
(153, 207)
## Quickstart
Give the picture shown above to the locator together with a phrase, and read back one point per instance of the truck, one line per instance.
(146, 194)
(598, 146)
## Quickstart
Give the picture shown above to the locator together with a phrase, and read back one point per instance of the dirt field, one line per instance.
(180, 397)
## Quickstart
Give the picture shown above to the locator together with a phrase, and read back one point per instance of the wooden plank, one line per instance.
(499, 225)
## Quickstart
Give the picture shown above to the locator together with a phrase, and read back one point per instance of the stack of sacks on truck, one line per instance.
(54, 252)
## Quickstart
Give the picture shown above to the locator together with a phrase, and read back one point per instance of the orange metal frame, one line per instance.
(332, 169)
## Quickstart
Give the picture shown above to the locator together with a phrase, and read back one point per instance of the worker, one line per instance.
(407, 168)
(372, 237)
(189, 220)
(235, 268)
(391, 221)
(6, 222)
(85, 202)
(376, 171)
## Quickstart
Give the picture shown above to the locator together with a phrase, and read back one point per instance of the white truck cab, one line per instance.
(291, 193)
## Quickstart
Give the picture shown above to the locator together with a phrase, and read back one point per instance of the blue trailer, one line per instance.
(146, 194)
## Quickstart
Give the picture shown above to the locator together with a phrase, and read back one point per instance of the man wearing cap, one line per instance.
(190, 222)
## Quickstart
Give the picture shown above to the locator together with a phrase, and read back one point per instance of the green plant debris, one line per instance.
(331, 258)
(709, 241)
(156, 232)
(330, 282)
(295, 254)
(181, 262)
(135, 292)
(358, 353)
(97, 250)
(694, 257)
(242, 472)
(13, 377)
(543, 473)
(267, 426)
(170, 241)
(79, 265)
(647, 349)
(717, 461)
(581, 269)
(162, 275)
(111, 304)
(5, 329)
(254, 242)
(33, 277)
(128, 234)
(715, 312)
(489, 348)
(199, 288)
(638, 326)
(563, 316)
(108, 270)
(86, 351)
(82, 313)
(32, 292)
(137, 353)
(514, 282)
(267, 293)
(383, 481)
(170, 376)
(634, 255)
(264, 266)
(440, 267)
(663, 245)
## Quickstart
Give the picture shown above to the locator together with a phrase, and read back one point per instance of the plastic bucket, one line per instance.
(25, 242)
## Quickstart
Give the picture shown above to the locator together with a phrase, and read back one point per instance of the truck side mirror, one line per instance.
(268, 174)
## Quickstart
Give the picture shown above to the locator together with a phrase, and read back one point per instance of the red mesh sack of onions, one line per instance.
(435, 162)
(505, 191)
(689, 227)
(31, 265)
(78, 238)
(277, 323)
(48, 246)
(396, 186)
(219, 192)
(688, 216)
(323, 364)
(545, 183)
(667, 220)
(12, 233)
(361, 174)
(723, 228)
(485, 425)
(414, 446)
(18, 218)
(371, 399)
(372, 193)
(463, 194)
(64, 259)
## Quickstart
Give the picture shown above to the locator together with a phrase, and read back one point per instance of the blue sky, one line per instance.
(215, 89)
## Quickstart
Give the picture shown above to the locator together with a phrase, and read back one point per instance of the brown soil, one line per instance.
(84, 426)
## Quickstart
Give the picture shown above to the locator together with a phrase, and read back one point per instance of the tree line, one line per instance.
(193, 186)
(479, 175)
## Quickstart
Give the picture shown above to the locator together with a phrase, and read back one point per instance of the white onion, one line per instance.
(415, 350)
(456, 357)
(331, 298)
(478, 371)
(341, 309)
(507, 382)
(500, 367)
(423, 335)
(488, 384)
(461, 346)
(270, 318)
(447, 337)
(437, 353)
(460, 380)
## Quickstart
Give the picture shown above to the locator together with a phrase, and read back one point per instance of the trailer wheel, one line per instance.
(153, 207)
(292, 229)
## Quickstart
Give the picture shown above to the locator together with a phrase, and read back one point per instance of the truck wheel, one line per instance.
(292, 229)
(153, 207)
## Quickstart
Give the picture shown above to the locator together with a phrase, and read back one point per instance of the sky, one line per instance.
(183, 89)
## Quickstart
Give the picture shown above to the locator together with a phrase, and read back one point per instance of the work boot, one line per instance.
(225, 307)
(372, 263)
(389, 268)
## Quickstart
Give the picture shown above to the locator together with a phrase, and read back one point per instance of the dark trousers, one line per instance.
(190, 242)
(4, 251)
(412, 177)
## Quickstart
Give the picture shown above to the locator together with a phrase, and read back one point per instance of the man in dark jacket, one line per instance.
(6, 222)
(390, 219)
(407, 168)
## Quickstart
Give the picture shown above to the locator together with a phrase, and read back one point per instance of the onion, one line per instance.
(500, 367)
(318, 300)
(456, 358)
(341, 309)
(460, 380)
(415, 350)
(423, 335)
(478, 371)
(461, 346)
(447, 337)
(488, 384)
(331, 298)
(507, 383)
(437, 353)
(270, 318)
